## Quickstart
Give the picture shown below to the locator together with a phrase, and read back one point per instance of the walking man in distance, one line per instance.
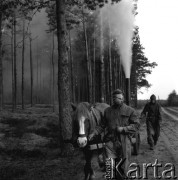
(152, 112)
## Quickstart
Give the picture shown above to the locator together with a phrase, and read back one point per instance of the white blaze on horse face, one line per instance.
(82, 141)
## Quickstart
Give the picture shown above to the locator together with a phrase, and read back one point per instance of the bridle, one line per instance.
(95, 145)
(82, 135)
(91, 116)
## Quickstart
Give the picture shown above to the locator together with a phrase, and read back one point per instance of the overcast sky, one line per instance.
(158, 23)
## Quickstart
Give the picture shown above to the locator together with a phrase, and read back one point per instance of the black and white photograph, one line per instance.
(88, 89)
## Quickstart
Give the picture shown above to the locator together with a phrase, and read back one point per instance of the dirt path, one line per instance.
(173, 110)
(170, 133)
(176, 108)
(166, 151)
(170, 115)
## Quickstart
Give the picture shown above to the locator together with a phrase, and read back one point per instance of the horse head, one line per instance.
(82, 122)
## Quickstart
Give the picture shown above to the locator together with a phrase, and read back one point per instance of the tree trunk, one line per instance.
(1, 68)
(53, 72)
(12, 58)
(40, 82)
(78, 83)
(110, 65)
(115, 72)
(37, 76)
(79, 90)
(94, 59)
(123, 80)
(65, 121)
(50, 82)
(71, 68)
(120, 74)
(89, 75)
(23, 60)
(134, 81)
(102, 81)
(107, 82)
(31, 71)
(15, 63)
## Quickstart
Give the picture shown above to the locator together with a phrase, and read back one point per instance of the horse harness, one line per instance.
(97, 145)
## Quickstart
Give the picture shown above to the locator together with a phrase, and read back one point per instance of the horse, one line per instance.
(85, 118)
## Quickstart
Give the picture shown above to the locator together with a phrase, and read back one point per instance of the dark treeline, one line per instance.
(77, 59)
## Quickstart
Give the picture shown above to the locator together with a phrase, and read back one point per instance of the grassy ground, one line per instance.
(29, 144)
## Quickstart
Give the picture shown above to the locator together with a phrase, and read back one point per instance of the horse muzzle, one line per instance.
(82, 140)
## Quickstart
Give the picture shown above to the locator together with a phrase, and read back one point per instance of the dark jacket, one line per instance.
(125, 116)
(152, 112)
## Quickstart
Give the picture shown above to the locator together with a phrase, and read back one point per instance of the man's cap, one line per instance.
(117, 91)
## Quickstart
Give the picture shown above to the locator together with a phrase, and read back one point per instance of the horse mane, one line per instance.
(83, 108)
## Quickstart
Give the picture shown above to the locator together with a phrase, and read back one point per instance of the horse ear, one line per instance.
(74, 107)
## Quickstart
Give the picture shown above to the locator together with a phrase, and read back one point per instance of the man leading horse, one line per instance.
(120, 122)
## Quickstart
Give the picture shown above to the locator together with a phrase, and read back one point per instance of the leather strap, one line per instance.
(82, 135)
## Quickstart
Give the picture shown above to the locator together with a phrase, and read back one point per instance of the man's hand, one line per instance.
(120, 129)
(91, 136)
